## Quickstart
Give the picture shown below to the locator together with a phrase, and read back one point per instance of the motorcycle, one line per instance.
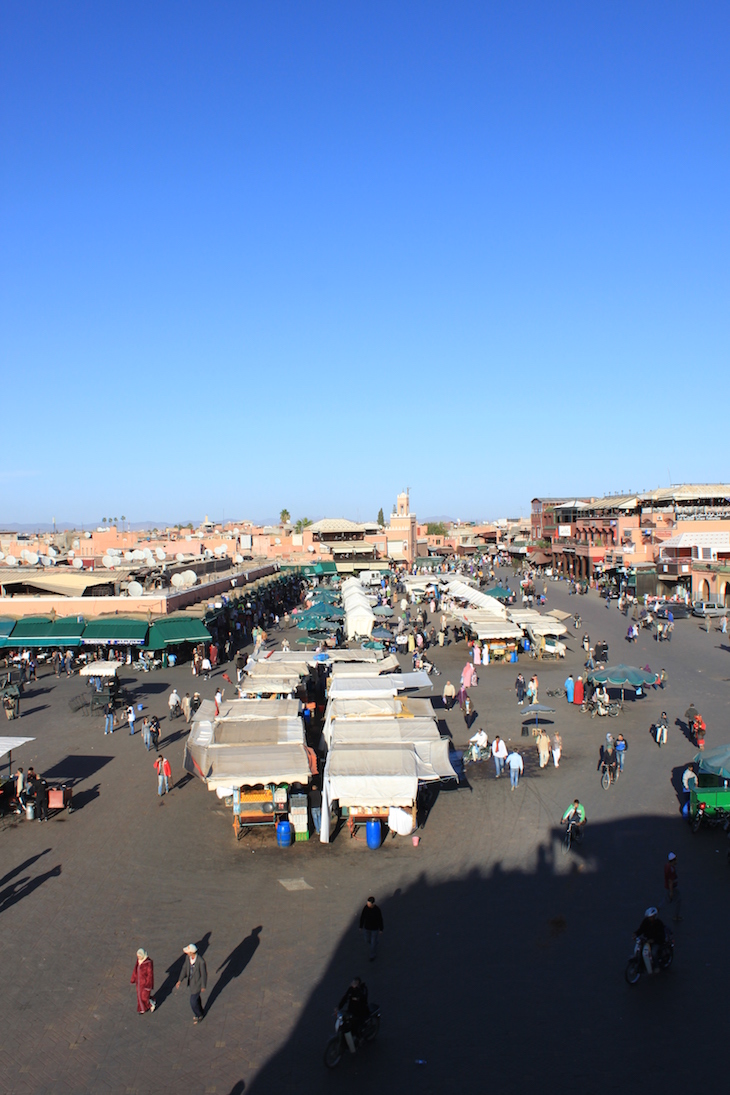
(175, 710)
(609, 774)
(346, 1037)
(474, 753)
(718, 817)
(662, 961)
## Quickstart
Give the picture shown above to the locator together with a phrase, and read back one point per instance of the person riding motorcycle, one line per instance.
(355, 1010)
(575, 815)
(654, 934)
(478, 747)
(174, 702)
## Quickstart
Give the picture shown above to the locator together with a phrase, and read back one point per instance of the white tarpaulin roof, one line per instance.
(267, 686)
(474, 597)
(381, 730)
(283, 672)
(212, 735)
(99, 669)
(355, 655)
(365, 669)
(486, 626)
(8, 744)
(365, 775)
(374, 687)
(248, 765)
(247, 709)
(538, 624)
(359, 617)
(396, 706)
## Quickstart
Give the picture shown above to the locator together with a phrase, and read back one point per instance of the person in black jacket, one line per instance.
(355, 1008)
(195, 975)
(371, 923)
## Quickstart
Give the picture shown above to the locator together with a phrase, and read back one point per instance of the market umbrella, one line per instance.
(499, 592)
(371, 646)
(538, 709)
(715, 761)
(383, 610)
(624, 676)
(381, 633)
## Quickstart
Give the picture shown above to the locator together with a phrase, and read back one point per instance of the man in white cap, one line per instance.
(195, 975)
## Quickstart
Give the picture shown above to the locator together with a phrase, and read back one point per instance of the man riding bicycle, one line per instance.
(575, 815)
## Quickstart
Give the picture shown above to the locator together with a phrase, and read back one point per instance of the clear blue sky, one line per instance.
(268, 254)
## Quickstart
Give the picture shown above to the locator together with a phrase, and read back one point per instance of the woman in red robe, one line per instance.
(578, 691)
(144, 978)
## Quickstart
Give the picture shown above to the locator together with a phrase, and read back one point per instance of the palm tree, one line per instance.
(103, 520)
(115, 520)
(123, 520)
(285, 517)
(302, 523)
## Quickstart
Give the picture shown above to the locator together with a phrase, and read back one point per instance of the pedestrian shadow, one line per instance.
(83, 798)
(23, 866)
(238, 1088)
(686, 730)
(24, 888)
(175, 736)
(173, 972)
(36, 709)
(234, 965)
(184, 781)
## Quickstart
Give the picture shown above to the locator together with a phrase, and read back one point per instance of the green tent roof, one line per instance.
(177, 629)
(115, 631)
(6, 627)
(40, 631)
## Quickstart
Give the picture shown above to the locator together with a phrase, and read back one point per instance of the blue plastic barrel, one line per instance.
(374, 833)
(283, 834)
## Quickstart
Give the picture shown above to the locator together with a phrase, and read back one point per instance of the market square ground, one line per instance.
(502, 960)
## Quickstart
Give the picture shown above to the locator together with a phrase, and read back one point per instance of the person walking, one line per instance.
(516, 767)
(109, 718)
(520, 689)
(671, 885)
(535, 684)
(195, 976)
(621, 749)
(449, 695)
(186, 705)
(164, 771)
(499, 754)
(543, 748)
(578, 692)
(371, 924)
(569, 688)
(131, 716)
(146, 733)
(530, 692)
(143, 976)
(557, 747)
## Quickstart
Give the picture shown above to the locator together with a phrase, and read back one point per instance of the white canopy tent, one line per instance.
(356, 688)
(99, 669)
(539, 624)
(366, 669)
(8, 744)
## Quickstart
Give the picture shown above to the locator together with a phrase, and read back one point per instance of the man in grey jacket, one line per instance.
(195, 975)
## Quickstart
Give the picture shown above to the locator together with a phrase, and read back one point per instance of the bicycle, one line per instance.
(573, 833)
(609, 775)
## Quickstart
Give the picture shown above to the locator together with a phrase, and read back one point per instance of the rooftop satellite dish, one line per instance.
(190, 577)
(71, 554)
(188, 537)
(147, 552)
(180, 557)
(134, 589)
(24, 554)
(138, 555)
(87, 536)
(310, 547)
(52, 552)
(2, 554)
(45, 560)
(160, 553)
(76, 545)
(277, 539)
(11, 561)
(51, 561)
(177, 580)
(236, 532)
(32, 558)
(208, 553)
(224, 549)
(108, 561)
(129, 555)
(238, 558)
(78, 564)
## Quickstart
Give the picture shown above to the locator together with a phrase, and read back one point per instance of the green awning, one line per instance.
(177, 629)
(6, 628)
(32, 632)
(119, 631)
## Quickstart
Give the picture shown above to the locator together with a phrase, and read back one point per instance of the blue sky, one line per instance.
(273, 254)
